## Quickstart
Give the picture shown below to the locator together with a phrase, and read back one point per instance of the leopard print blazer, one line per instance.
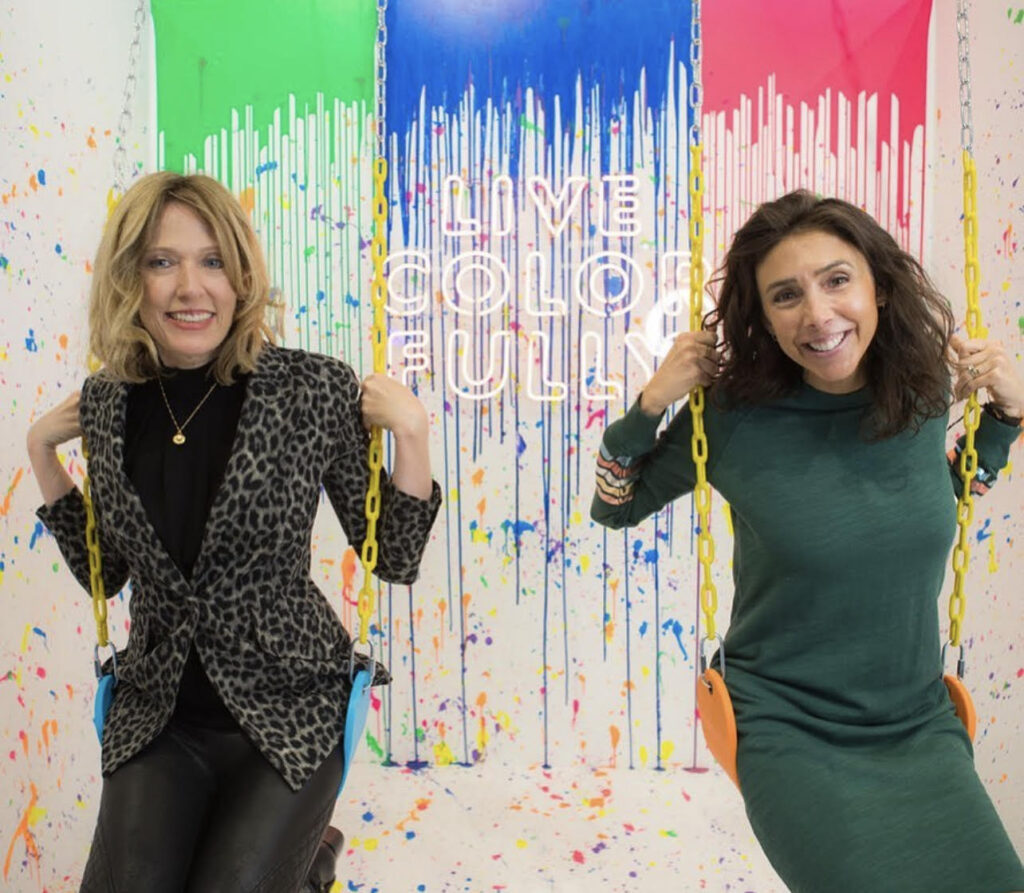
(270, 642)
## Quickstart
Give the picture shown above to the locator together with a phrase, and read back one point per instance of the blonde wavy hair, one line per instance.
(117, 338)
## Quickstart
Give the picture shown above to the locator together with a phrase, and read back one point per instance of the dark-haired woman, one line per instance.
(826, 427)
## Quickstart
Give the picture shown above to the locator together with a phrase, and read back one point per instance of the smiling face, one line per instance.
(818, 299)
(188, 303)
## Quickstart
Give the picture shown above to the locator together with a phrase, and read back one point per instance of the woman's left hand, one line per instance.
(986, 364)
(390, 404)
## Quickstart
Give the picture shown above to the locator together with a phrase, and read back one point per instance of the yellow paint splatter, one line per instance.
(443, 755)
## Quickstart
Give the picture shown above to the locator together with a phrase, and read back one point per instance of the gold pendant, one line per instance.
(178, 439)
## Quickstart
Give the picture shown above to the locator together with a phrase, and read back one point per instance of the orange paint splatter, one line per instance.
(616, 736)
(348, 575)
(478, 477)
(47, 726)
(23, 831)
(247, 199)
(5, 508)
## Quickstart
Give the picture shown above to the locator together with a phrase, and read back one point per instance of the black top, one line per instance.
(177, 485)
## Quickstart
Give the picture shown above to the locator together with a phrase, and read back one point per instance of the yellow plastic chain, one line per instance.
(699, 441)
(92, 542)
(975, 329)
(972, 411)
(378, 335)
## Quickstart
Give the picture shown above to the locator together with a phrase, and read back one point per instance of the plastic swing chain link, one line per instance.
(378, 334)
(975, 329)
(714, 706)
(99, 595)
(699, 441)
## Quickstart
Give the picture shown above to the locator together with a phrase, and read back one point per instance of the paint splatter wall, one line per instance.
(539, 733)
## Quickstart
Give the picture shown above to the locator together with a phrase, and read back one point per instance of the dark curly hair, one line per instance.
(905, 363)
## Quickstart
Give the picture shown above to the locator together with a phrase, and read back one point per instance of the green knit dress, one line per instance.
(855, 772)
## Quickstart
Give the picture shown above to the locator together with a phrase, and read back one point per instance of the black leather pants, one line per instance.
(201, 810)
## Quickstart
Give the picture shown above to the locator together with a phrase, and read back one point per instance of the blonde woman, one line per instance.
(209, 446)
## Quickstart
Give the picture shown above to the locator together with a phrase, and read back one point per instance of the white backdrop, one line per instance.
(506, 822)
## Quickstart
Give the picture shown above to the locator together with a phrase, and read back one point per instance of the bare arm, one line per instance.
(393, 406)
(57, 426)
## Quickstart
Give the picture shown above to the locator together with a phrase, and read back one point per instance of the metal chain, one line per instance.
(696, 93)
(122, 175)
(964, 68)
(975, 329)
(699, 442)
(378, 335)
(122, 167)
(381, 78)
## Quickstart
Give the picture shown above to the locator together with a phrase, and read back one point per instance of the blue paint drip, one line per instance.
(985, 533)
(438, 55)
(676, 628)
(41, 177)
(37, 532)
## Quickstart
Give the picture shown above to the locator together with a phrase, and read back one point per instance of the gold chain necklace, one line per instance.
(179, 430)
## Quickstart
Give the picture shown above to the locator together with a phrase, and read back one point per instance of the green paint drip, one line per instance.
(215, 57)
(371, 742)
(1020, 324)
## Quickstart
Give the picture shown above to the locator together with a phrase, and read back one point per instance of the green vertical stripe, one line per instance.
(213, 56)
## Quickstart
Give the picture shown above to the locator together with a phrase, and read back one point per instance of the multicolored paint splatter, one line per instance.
(539, 733)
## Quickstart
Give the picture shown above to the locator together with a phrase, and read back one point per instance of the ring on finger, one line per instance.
(973, 371)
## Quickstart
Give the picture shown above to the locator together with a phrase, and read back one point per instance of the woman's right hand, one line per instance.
(48, 432)
(692, 360)
(57, 426)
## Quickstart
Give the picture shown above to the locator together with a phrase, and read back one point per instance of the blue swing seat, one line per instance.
(355, 719)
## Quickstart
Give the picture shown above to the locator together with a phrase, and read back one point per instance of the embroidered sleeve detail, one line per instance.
(614, 478)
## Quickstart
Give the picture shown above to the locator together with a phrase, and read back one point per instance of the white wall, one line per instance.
(62, 73)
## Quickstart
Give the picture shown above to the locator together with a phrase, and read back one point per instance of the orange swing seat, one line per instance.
(718, 720)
